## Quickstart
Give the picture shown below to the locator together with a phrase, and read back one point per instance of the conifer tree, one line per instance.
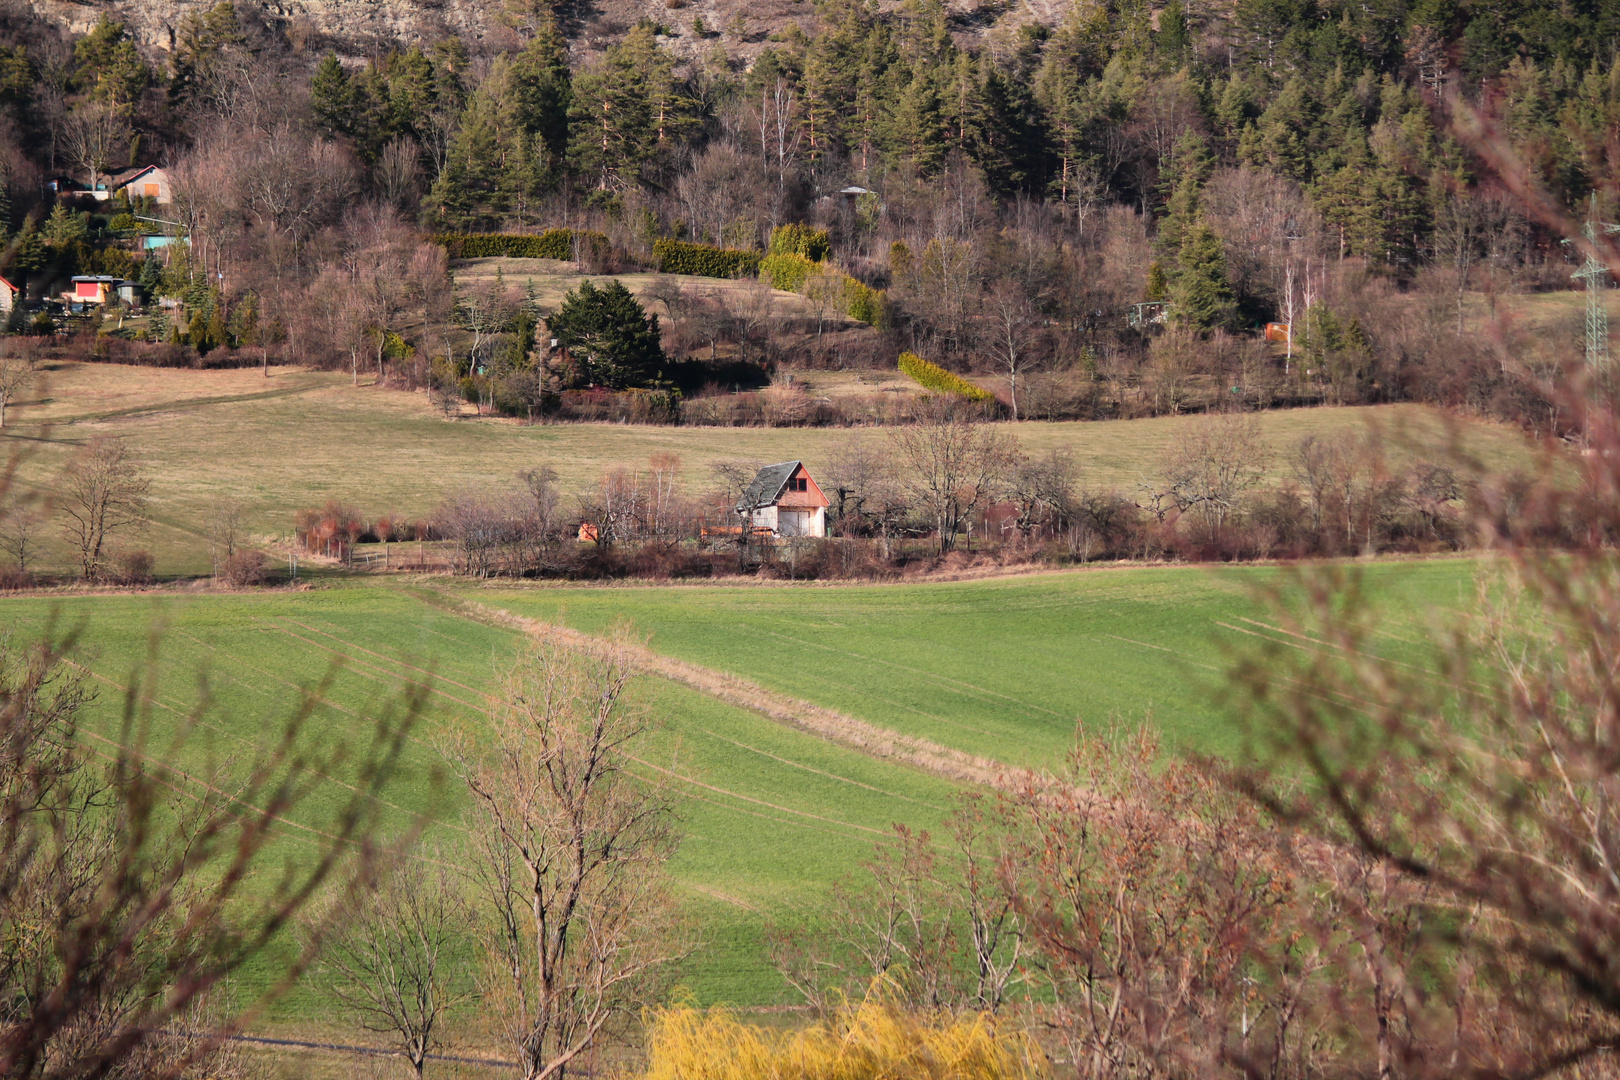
(331, 98)
(543, 89)
(612, 340)
(916, 128)
(613, 122)
(1200, 294)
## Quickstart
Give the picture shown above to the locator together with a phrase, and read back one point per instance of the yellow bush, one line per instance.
(874, 1039)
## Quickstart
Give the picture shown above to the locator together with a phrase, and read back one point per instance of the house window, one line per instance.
(798, 483)
(151, 191)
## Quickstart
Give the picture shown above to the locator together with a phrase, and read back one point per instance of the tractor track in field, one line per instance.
(867, 738)
(430, 681)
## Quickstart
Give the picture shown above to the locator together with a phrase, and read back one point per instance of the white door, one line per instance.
(793, 522)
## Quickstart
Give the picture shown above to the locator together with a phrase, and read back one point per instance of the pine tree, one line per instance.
(1173, 39)
(331, 98)
(543, 89)
(613, 122)
(915, 130)
(109, 68)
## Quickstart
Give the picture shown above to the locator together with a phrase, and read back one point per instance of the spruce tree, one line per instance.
(1200, 294)
(331, 98)
(610, 337)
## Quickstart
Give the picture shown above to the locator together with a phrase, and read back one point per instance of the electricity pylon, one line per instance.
(1595, 274)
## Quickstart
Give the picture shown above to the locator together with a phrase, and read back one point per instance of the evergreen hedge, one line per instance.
(701, 260)
(868, 305)
(802, 240)
(786, 271)
(934, 377)
(551, 244)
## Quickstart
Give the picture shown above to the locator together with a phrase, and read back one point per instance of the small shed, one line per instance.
(8, 296)
(90, 290)
(786, 500)
(147, 182)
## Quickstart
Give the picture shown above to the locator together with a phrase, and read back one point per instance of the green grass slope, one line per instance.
(1005, 668)
(772, 816)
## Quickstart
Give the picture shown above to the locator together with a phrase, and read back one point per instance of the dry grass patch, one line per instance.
(208, 435)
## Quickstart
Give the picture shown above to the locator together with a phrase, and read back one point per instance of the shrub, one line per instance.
(860, 1041)
(551, 244)
(866, 304)
(701, 260)
(243, 568)
(787, 271)
(936, 378)
(802, 240)
(135, 568)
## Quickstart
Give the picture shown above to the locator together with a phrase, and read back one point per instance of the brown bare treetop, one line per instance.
(571, 846)
(103, 493)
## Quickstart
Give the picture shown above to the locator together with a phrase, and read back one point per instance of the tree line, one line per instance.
(1025, 188)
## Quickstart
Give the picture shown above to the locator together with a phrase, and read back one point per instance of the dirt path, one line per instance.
(745, 694)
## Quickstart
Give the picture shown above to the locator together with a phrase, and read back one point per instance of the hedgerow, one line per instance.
(551, 244)
(802, 240)
(701, 260)
(934, 377)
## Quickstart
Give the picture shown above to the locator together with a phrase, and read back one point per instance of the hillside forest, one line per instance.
(994, 193)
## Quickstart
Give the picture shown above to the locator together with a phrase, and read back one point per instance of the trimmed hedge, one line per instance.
(934, 377)
(803, 240)
(701, 260)
(551, 244)
(786, 271)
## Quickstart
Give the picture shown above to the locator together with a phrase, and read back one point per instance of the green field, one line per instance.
(772, 815)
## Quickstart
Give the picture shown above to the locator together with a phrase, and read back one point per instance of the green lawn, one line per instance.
(772, 816)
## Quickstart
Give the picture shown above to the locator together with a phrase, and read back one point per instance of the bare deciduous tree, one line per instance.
(571, 847)
(951, 467)
(16, 375)
(94, 133)
(1014, 321)
(123, 884)
(1213, 462)
(392, 961)
(103, 492)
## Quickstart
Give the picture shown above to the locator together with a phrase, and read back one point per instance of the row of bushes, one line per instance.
(805, 241)
(567, 245)
(791, 272)
(620, 407)
(933, 377)
(701, 260)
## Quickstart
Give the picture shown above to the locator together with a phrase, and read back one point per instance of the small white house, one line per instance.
(784, 499)
(8, 296)
(146, 182)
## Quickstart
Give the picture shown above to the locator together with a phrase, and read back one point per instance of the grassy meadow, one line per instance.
(771, 815)
(299, 438)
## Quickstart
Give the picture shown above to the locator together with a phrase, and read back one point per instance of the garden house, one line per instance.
(784, 499)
